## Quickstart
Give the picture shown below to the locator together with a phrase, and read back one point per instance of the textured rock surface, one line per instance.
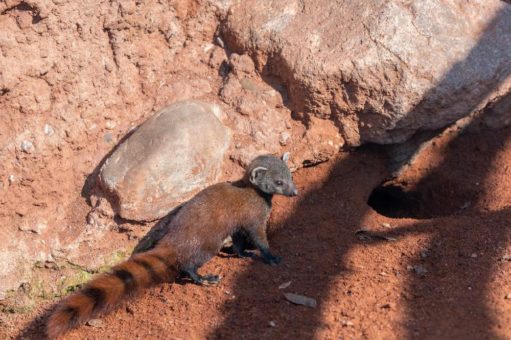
(380, 69)
(75, 78)
(168, 158)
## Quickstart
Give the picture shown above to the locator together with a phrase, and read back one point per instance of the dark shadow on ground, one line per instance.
(449, 302)
(307, 241)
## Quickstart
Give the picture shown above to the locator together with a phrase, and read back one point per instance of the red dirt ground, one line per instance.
(441, 278)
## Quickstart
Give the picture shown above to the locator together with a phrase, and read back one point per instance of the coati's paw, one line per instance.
(210, 279)
(272, 260)
(245, 254)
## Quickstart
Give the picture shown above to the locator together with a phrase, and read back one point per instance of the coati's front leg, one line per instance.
(240, 244)
(200, 279)
(258, 237)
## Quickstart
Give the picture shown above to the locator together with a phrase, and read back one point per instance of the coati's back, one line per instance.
(211, 216)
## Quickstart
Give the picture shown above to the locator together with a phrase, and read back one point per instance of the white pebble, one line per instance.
(110, 125)
(27, 146)
(48, 130)
(284, 138)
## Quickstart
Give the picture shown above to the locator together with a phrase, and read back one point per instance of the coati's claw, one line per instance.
(245, 254)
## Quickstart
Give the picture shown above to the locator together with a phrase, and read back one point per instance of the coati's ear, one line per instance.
(256, 174)
(285, 157)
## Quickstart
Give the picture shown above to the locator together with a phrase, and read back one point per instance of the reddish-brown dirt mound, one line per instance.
(439, 277)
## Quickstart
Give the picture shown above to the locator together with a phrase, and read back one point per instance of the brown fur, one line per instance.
(195, 235)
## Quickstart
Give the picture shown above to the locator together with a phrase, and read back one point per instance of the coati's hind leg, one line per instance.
(258, 237)
(191, 272)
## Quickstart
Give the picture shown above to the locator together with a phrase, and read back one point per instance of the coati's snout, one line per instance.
(292, 191)
(271, 175)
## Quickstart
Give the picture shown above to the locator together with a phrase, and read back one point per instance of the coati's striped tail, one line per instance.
(105, 291)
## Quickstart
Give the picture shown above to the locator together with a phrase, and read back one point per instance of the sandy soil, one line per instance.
(443, 277)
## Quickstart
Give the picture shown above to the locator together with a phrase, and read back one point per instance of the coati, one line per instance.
(196, 234)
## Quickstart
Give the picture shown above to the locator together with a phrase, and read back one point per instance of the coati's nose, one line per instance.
(294, 192)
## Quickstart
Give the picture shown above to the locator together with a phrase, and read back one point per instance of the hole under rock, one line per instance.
(428, 199)
(393, 201)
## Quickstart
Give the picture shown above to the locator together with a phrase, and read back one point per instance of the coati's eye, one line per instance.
(279, 182)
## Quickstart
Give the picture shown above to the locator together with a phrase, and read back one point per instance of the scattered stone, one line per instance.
(347, 323)
(165, 161)
(386, 306)
(386, 225)
(420, 270)
(424, 253)
(284, 138)
(301, 300)
(27, 146)
(506, 258)
(108, 138)
(110, 125)
(473, 255)
(96, 323)
(365, 234)
(285, 285)
(272, 323)
(507, 297)
(417, 269)
(220, 42)
(11, 179)
(48, 130)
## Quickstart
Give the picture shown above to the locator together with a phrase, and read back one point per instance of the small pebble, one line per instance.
(418, 269)
(386, 225)
(474, 255)
(507, 297)
(95, 323)
(11, 179)
(110, 125)
(285, 285)
(284, 138)
(48, 130)
(27, 146)
(301, 300)
(386, 306)
(272, 323)
(220, 42)
(108, 137)
(346, 323)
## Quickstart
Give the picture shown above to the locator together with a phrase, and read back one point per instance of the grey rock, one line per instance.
(300, 300)
(166, 160)
(381, 70)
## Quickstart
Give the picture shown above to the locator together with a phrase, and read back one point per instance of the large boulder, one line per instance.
(166, 160)
(381, 70)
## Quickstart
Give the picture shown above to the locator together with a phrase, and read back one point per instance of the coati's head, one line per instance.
(271, 175)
